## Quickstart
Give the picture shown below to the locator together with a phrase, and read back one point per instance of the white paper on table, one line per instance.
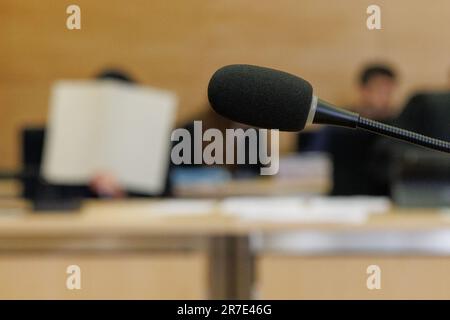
(445, 212)
(368, 203)
(183, 207)
(106, 126)
(290, 209)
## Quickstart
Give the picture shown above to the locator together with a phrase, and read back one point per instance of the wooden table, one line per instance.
(127, 250)
(137, 217)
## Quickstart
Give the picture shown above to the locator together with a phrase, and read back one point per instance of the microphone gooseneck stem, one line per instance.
(326, 113)
(404, 135)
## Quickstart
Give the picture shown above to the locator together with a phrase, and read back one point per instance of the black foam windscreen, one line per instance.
(261, 97)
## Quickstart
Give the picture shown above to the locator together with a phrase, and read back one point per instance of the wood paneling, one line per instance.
(105, 276)
(344, 277)
(178, 44)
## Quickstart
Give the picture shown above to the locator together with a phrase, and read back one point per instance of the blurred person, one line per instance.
(420, 176)
(377, 84)
(428, 113)
(102, 185)
(357, 170)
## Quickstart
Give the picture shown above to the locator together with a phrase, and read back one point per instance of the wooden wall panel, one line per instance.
(345, 277)
(178, 44)
(105, 276)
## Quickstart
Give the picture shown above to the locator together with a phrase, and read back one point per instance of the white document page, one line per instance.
(106, 126)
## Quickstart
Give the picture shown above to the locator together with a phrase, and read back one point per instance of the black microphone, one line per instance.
(273, 99)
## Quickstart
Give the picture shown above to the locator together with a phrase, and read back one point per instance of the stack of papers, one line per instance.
(278, 209)
(316, 210)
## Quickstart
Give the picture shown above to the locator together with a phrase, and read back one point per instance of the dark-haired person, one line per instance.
(427, 113)
(116, 75)
(377, 84)
(357, 168)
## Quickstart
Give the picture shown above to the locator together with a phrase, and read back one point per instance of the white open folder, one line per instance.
(108, 126)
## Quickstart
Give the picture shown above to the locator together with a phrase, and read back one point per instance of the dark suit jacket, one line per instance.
(358, 168)
(428, 114)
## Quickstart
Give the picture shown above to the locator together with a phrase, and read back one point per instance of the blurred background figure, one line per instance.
(421, 177)
(428, 113)
(356, 167)
(103, 184)
(377, 85)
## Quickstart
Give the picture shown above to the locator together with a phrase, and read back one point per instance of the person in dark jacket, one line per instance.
(357, 168)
